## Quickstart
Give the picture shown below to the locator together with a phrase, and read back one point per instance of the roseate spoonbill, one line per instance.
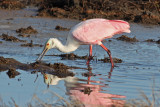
(88, 32)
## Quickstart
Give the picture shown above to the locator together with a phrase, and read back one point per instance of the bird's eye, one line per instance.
(45, 77)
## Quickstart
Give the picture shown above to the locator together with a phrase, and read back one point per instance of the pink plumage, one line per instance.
(95, 30)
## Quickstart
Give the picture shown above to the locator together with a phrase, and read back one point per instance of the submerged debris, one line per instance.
(87, 90)
(31, 44)
(58, 66)
(34, 72)
(127, 39)
(71, 56)
(158, 41)
(107, 60)
(11, 38)
(12, 73)
(60, 28)
(24, 35)
(28, 30)
(88, 74)
(150, 40)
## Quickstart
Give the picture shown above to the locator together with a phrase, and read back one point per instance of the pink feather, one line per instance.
(95, 30)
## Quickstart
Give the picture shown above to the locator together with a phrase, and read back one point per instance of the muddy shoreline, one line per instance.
(132, 11)
(57, 69)
(146, 12)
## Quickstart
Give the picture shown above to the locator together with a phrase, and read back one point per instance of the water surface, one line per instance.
(138, 71)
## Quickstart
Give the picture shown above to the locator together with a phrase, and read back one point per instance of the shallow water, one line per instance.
(138, 71)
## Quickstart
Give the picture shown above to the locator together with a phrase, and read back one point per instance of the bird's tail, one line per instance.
(121, 26)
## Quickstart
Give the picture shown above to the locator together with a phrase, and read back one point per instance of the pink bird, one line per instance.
(88, 32)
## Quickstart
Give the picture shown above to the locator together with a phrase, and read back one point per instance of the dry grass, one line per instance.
(144, 101)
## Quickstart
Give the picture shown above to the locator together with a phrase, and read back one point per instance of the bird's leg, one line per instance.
(90, 50)
(90, 54)
(109, 53)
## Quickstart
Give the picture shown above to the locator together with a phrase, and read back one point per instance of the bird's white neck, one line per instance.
(69, 47)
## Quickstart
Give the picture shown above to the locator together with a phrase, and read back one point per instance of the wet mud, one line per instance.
(107, 60)
(158, 41)
(150, 40)
(12, 73)
(70, 56)
(60, 28)
(127, 39)
(88, 74)
(10, 38)
(31, 45)
(7, 63)
(58, 69)
(153, 41)
(24, 35)
(28, 30)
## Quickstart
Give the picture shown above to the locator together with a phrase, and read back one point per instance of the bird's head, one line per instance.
(48, 45)
(50, 79)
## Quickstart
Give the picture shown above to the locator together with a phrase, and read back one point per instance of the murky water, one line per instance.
(138, 72)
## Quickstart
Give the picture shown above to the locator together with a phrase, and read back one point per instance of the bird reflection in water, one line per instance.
(87, 91)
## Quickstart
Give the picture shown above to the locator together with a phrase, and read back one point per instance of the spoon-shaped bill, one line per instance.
(42, 54)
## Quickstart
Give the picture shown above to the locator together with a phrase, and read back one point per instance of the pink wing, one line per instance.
(94, 30)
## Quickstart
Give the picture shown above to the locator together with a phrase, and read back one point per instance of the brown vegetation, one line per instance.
(107, 60)
(11, 4)
(139, 11)
(127, 39)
